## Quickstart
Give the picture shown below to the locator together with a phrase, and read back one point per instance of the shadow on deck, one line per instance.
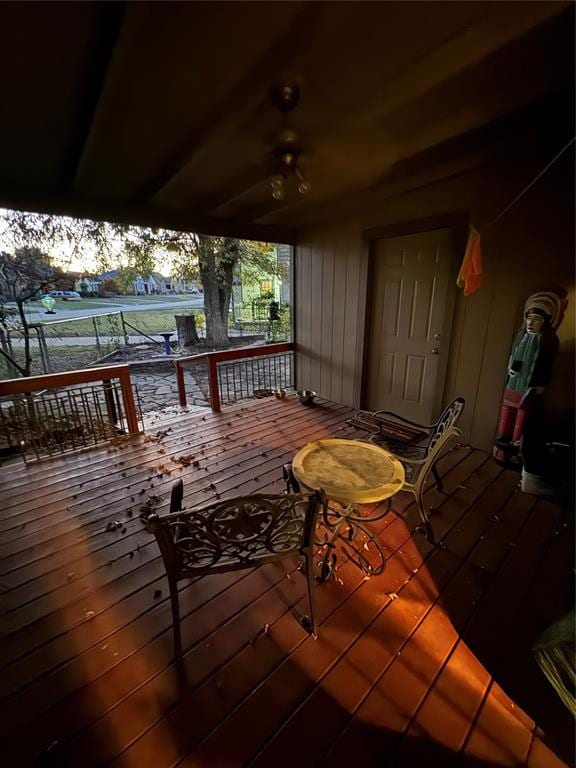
(428, 663)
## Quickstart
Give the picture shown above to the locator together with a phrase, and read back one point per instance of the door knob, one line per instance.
(435, 350)
(436, 337)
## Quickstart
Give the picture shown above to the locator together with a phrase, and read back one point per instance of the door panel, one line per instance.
(406, 351)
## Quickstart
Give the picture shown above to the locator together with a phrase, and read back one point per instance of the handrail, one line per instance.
(54, 380)
(213, 358)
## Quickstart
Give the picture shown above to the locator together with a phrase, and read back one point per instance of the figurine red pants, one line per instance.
(515, 405)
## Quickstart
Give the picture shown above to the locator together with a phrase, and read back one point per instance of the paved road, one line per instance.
(38, 313)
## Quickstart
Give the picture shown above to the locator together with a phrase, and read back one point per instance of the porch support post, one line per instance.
(213, 382)
(181, 384)
(129, 404)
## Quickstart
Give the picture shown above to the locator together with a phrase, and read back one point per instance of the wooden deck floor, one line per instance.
(427, 664)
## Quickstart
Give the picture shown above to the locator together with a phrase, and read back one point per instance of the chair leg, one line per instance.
(292, 485)
(175, 603)
(438, 479)
(425, 527)
(176, 496)
(309, 557)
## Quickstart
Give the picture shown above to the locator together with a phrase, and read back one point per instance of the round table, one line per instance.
(350, 472)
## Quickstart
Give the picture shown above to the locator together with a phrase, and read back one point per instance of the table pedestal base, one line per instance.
(359, 543)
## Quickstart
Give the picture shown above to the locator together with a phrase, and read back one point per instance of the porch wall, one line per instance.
(531, 247)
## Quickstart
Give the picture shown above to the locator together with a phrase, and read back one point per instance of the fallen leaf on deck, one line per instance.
(392, 595)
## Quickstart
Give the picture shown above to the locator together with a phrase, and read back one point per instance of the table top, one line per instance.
(349, 471)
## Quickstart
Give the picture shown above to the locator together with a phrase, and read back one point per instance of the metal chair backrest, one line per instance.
(434, 453)
(236, 533)
(447, 420)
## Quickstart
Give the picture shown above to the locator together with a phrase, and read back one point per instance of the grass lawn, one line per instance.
(150, 322)
(79, 304)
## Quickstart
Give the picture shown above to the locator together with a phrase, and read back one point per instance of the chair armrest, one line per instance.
(419, 462)
(406, 421)
(436, 452)
(394, 428)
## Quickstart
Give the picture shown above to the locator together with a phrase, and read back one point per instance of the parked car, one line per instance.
(65, 295)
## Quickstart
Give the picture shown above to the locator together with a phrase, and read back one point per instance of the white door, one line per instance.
(410, 317)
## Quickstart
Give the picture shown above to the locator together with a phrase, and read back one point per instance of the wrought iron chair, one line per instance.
(231, 535)
(406, 439)
(417, 471)
(417, 446)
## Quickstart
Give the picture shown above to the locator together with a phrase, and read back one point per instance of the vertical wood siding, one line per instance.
(328, 300)
(531, 248)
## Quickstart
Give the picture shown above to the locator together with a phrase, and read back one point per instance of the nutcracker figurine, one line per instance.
(529, 370)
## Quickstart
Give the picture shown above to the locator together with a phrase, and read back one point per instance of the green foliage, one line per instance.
(25, 273)
(70, 237)
(280, 329)
(257, 262)
(110, 286)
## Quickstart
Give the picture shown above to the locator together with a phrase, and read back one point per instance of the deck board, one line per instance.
(404, 663)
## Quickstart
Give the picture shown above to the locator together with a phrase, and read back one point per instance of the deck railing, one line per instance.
(234, 374)
(44, 415)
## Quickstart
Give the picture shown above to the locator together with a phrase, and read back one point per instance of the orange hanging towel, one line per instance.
(470, 275)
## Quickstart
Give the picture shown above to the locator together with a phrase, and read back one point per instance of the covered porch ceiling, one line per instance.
(159, 113)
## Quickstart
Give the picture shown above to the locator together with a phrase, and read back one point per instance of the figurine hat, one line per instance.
(546, 303)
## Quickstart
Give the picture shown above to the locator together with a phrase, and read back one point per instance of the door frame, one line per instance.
(458, 223)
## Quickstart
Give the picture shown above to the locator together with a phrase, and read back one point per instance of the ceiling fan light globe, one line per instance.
(277, 181)
(304, 187)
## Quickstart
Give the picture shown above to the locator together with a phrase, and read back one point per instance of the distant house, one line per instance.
(142, 286)
(113, 274)
(154, 284)
(180, 285)
(88, 285)
(284, 257)
(278, 286)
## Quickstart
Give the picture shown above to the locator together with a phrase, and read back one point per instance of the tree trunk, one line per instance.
(216, 271)
(187, 333)
(216, 305)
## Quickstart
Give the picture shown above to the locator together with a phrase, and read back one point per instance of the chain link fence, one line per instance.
(67, 345)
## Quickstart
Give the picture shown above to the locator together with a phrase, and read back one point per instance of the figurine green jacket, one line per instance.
(530, 363)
